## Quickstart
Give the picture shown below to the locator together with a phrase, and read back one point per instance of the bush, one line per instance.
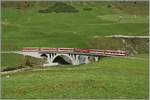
(59, 7)
(109, 6)
(87, 9)
(43, 11)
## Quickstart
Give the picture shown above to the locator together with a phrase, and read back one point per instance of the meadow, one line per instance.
(29, 28)
(122, 78)
(111, 77)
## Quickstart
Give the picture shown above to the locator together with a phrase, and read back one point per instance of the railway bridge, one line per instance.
(74, 56)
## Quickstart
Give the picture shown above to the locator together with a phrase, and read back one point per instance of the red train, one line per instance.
(78, 50)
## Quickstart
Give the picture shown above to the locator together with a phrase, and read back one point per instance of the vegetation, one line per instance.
(11, 60)
(62, 7)
(133, 46)
(87, 9)
(122, 78)
(24, 28)
(59, 7)
(111, 77)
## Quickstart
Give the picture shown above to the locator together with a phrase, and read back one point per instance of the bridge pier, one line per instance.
(96, 58)
(86, 59)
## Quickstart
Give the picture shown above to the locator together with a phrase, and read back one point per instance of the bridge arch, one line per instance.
(60, 58)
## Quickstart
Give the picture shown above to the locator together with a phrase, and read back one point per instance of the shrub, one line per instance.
(43, 11)
(109, 6)
(87, 9)
(59, 7)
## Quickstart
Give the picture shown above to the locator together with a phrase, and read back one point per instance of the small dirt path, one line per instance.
(125, 36)
(14, 71)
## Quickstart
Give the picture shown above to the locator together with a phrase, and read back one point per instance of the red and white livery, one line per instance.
(78, 50)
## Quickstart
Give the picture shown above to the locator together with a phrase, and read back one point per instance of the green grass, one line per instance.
(30, 28)
(110, 78)
(11, 60)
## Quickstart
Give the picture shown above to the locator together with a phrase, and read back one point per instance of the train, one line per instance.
(77, 50)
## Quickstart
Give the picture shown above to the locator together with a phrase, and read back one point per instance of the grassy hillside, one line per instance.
(11, 60)
(111, 77)
(27, 27)
(123, 78)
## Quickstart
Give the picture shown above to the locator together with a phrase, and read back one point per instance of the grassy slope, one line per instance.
(11, 60)
(26, 28)
(67, 29)
(109, 78)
